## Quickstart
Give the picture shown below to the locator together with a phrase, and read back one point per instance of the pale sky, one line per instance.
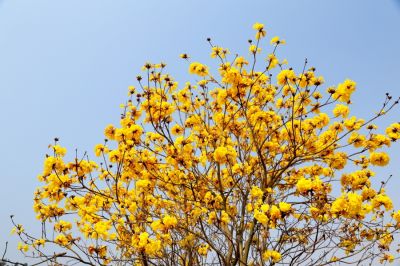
(65, 67)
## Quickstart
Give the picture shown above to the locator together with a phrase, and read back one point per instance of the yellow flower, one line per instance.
(99, 149)
(341, 110)
(314, 211)
(261, 217)
(114, 156)
(62, 240)
(157, 225)
(393, 131)
(387, 257)
(254, 49)
(368, 193)
(273, 255)
(212, 217)
(58, 150)
(143, 184)
(285, 207)
(338, 160)
(62, 226)
(258, 26)
(224, 154)
(382, 199)
(101, 229)
(334, 259)
(356, 139)
(344, 91)
(260, 30)
(23, 247)
(264, 208)
(272, 61)
(109, 132)
(276, 41)
(203, 249)
(286, 76)
(169, 221)
(176, 130)
(379, 158)
(256, 192)
(220, 154)
(353, 123)
(385, 240)
(198, 69)
(240, 61)
(274, 212)
(304, 185)
(396, 217)
(39, 242)
(218, 51)
(19, 229)
(153, 247)
(350, 206)
(184, 56)
(143, 239)
(354, 203)
(224, 218)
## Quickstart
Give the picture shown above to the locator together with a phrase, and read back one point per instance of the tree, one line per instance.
(251, 166)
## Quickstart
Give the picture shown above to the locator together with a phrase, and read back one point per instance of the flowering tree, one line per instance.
(251, 165)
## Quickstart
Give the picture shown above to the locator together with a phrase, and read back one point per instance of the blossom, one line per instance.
(261, 217)
(341, 110)
(62, 226)
(286, 76)
(274, 212)
(224, 154)
(169, 221)
(254, 49)
(276, 41)
(396, 217)
(393, 131)
(304, 185)
(58, 150)
(256, 192)
(285, 207)
(203, 249)
(198, 69)
(273, 255)
(23, 247)
(62, 240)
(382, 199)
(344, 90)
(218, 51)
(260, 30)
(99, 149)
(176, 130)
(379, 158)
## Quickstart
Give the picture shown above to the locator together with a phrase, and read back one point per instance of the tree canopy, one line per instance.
(253, 163)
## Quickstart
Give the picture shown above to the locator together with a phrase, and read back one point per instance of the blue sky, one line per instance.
(65, 66)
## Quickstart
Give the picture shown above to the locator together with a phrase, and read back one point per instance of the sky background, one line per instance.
(65, 67)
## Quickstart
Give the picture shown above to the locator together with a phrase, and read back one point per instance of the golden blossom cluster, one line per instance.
(247, 165)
